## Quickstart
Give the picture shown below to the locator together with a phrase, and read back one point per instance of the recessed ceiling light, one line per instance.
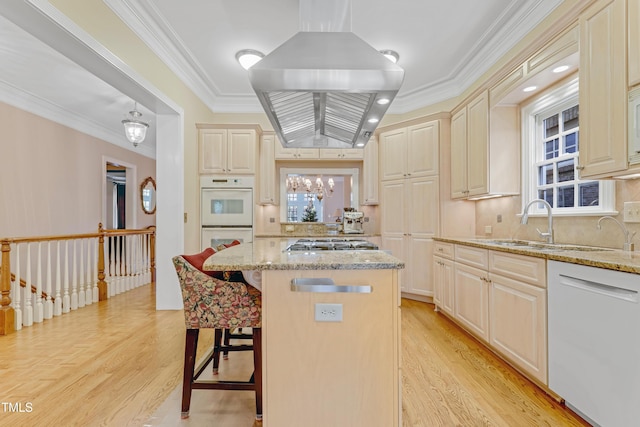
(373, 120)
(383, 101)
(561, 69)
(249, 57)
(530, 88)
(391, 55)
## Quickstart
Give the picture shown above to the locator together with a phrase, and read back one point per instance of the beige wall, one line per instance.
(51, 176)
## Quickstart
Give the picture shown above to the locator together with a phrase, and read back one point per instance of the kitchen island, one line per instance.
(343, 369)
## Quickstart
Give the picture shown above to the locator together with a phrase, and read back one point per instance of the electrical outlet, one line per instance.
(328, 312)
(499, 218)
(488, 229)
(185, 217)
(272, 220)
(289, 228)
(631, 212)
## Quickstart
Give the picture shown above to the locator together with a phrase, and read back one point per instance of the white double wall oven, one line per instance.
(226, 209)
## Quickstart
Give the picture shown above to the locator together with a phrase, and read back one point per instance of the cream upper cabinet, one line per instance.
(342, 153)
(267, 173)
(408, 232)
(603, 89)
(485, 150)
(633, 22)
(226, 151)
(282, 153)
(370, 181)
(410, 152)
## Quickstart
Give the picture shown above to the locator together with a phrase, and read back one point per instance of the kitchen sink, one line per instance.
(541, 246)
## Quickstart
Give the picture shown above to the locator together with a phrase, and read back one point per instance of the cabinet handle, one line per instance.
(326, 284)
(440, 250)
(579, 167)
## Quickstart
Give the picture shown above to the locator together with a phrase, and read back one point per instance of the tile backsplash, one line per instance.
(568, 229)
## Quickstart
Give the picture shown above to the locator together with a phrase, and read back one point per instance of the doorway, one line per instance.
(119, 191)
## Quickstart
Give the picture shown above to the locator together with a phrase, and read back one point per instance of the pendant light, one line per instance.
(134, 128)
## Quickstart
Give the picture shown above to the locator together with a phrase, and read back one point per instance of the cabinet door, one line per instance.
(418, 277)
(393, 224)
(393, 154)
(370, 185)
(282, 153)
(267, 173)
(471, 299)
(307, 153)
(422, 149)
(421, 204)
(241, 151)
(459, 155)
(342, 153)
(437, 281)
(478, 145)
(448, 291)
(518, 324)
(633, 11)
(213, 151)
(603, 89)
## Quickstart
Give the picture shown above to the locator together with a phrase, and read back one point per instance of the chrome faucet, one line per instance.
(525, 218)
(628, 246)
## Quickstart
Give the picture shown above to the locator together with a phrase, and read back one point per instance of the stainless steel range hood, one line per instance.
(325, 89)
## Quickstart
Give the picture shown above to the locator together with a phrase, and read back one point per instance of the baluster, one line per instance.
(145, 259)
(88, 290)
(136, 240)
(57, 304)
(66, 299)
(81, 285)
(28, 298)
(74, 283)
(48, 304)
(38, 312)
(17, 300)
(96, 277)
(119, 264)
(128, 264)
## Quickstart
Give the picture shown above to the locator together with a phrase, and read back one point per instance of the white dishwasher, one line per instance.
(594, 342)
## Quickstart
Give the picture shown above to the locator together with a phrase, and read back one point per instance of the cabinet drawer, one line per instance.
(443, 249)
(519, 267)
(474, 257)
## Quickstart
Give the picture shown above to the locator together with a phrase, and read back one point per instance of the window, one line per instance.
(551, 153)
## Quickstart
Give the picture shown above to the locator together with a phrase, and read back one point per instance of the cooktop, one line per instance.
(333, 244)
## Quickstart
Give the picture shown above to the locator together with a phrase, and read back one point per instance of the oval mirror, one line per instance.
(148, 196)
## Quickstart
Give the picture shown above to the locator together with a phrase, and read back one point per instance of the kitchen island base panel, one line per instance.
(331, 373)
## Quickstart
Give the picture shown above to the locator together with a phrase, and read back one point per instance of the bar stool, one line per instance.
(217, 304)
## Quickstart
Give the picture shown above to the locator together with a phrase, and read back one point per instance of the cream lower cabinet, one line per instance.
(443, 290)
(471, 299)
(501, 298)
(343, 373)
(409, 221)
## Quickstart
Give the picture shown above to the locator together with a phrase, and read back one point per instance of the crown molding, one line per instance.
(514, 24)
(38, 106)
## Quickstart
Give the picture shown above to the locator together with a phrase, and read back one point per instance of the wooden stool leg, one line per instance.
(257, 366)
(190, 346)
(227, 339)
(217, 340)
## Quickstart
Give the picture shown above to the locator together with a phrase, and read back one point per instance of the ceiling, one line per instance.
(444, 47)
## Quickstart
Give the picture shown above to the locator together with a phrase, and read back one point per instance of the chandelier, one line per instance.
(301, 184)
(134, 128)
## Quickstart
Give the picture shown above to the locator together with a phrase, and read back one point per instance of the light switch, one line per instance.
(631, 211)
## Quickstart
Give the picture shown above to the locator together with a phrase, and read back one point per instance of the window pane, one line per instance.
(551, 149)
(546, 195)
(551, 126)
(570, 118)
(566, 171)
(565, 196)
(571, 143)
(545, 174)
(589, 194)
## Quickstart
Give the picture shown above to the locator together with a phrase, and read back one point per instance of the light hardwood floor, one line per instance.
(120, 363)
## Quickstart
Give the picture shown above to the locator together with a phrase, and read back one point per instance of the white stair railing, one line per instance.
(70, 272)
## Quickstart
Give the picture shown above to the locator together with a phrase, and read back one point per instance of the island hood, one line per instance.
(325, 89)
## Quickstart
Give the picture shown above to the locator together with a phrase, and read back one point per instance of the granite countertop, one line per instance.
(270, 254)
(612, 259)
